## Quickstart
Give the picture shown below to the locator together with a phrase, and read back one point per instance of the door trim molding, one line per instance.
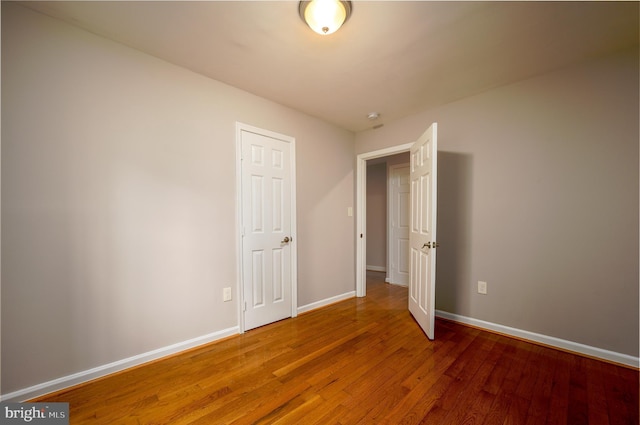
(361, 211)
(240, 127)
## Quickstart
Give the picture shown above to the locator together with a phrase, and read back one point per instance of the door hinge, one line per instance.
(245, 306)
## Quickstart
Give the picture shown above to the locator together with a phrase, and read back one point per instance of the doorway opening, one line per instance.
(423, 224)
(388, 203)
(361, 208)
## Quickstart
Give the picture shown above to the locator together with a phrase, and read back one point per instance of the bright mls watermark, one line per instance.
(34, 413)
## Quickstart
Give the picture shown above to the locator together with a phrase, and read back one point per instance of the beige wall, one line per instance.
(377, 215)
(118, 200)
(538, 196)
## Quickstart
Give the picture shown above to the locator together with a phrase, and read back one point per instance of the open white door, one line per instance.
(422, 237)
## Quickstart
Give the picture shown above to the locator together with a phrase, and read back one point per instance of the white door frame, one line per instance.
(361, 211)
(294, 255)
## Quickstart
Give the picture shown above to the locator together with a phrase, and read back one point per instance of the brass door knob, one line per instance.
(286, 239)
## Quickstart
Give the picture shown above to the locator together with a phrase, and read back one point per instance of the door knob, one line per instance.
(286, 239)
(427, 245)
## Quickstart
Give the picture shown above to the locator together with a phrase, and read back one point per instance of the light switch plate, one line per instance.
(482, 287)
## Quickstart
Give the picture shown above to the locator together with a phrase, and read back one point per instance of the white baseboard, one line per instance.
(117, 366)
(377, 268)
(326, 302)
(97, 372)
(551, 341)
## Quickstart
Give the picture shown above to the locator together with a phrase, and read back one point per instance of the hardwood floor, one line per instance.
(362, 361)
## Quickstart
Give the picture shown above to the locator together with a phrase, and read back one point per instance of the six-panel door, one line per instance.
(266, 217)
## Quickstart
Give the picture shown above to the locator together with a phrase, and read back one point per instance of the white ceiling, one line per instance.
(393, 57)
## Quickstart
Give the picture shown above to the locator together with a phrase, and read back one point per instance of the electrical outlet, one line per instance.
(482, 287)
(226, 294)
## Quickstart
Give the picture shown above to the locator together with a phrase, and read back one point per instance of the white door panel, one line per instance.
(422, 238)
(400, 201)
(267, 228)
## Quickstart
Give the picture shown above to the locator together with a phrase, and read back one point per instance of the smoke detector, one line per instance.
(372, 116)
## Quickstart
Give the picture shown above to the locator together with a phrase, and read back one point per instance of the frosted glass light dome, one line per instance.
(325, 16)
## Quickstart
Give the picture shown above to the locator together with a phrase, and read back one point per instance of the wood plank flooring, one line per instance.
(362, 361)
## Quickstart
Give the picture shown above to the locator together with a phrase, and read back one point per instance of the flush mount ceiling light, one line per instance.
(325, 16)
